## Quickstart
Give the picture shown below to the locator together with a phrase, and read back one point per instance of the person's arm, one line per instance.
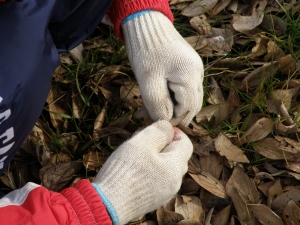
(140, 176)
(160, 58)
(34, 204)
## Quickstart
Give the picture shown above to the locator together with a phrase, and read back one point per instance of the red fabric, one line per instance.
(87, 203)
(120, 9)
(78, 205)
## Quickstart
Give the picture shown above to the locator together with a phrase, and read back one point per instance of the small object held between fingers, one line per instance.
(176, 121)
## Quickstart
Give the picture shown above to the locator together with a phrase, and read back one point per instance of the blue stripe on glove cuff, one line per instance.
(135, 15)
(111, 210)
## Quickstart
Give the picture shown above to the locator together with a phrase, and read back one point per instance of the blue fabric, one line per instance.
(32, 32)
(109, 207)
(135, 15)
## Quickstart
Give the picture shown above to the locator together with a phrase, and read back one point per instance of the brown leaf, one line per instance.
(247, 23)
(260, 75)
(189, 186)
(93, 160)
(190, 207)
(188, 222)
(287, 65)
(56, 178)
(210, 183)
(225, 148)
(258, 131)
(264, 187)
(203, 145)
(222, 217)
(288, 145)
(77, 103)
(274, 191)
(215, 93)
(200, 24)
(167, 217)
(57, 107)
(264, 214)
(285, 96)
(209, 45)
(291, 214)
(219, 7)
(233, 98)
(244, 185)
(232, 6)
(212, 164)
(273, 149)
(282, 200)
(131, 95)
(274, 52)
(199, 7)
(219, 112)
(98, 123)
(285, 129)
(239, 205)
(77, 53)
(261, 45)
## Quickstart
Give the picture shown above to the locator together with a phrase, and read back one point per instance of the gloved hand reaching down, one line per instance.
(161, 60)
(144, 172)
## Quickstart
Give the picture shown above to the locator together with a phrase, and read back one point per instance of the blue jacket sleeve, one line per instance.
(32, 32)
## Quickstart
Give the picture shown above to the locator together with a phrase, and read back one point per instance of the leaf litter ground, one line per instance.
(246, 163)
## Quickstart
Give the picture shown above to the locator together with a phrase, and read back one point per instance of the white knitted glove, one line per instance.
(162, 59)
(145, 171)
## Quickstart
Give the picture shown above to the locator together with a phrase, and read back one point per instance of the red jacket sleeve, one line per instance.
(34, 204)
(120, 9)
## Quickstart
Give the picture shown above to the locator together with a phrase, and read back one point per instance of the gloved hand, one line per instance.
(144, 172)
(162, 59)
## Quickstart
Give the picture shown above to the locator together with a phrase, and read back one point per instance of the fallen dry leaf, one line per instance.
(221, 5)
(259, 75)
(189, 186)
(56, 177)
(93, 160)
(264, 187)
(77, 53)
(285, 96)
(190, 207)
(225, 148)
(131, 95)
(274, 52)
(77, 103)
(200, 24)
(210, 183)
(219, 112)
(274, 191)
(291, 214)
(215, 93)
(98, 123)
(282, 200)
(222, 217)
(262, 128)
(244, 185)
(273, 149)
(247, 23)
(239, 205)
(199, 7)
(212, 164)
(287, 65)
(167, 217)
(264, 214)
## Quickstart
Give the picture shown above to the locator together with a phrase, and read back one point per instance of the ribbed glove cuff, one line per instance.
(121, 9)
(109, 207)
